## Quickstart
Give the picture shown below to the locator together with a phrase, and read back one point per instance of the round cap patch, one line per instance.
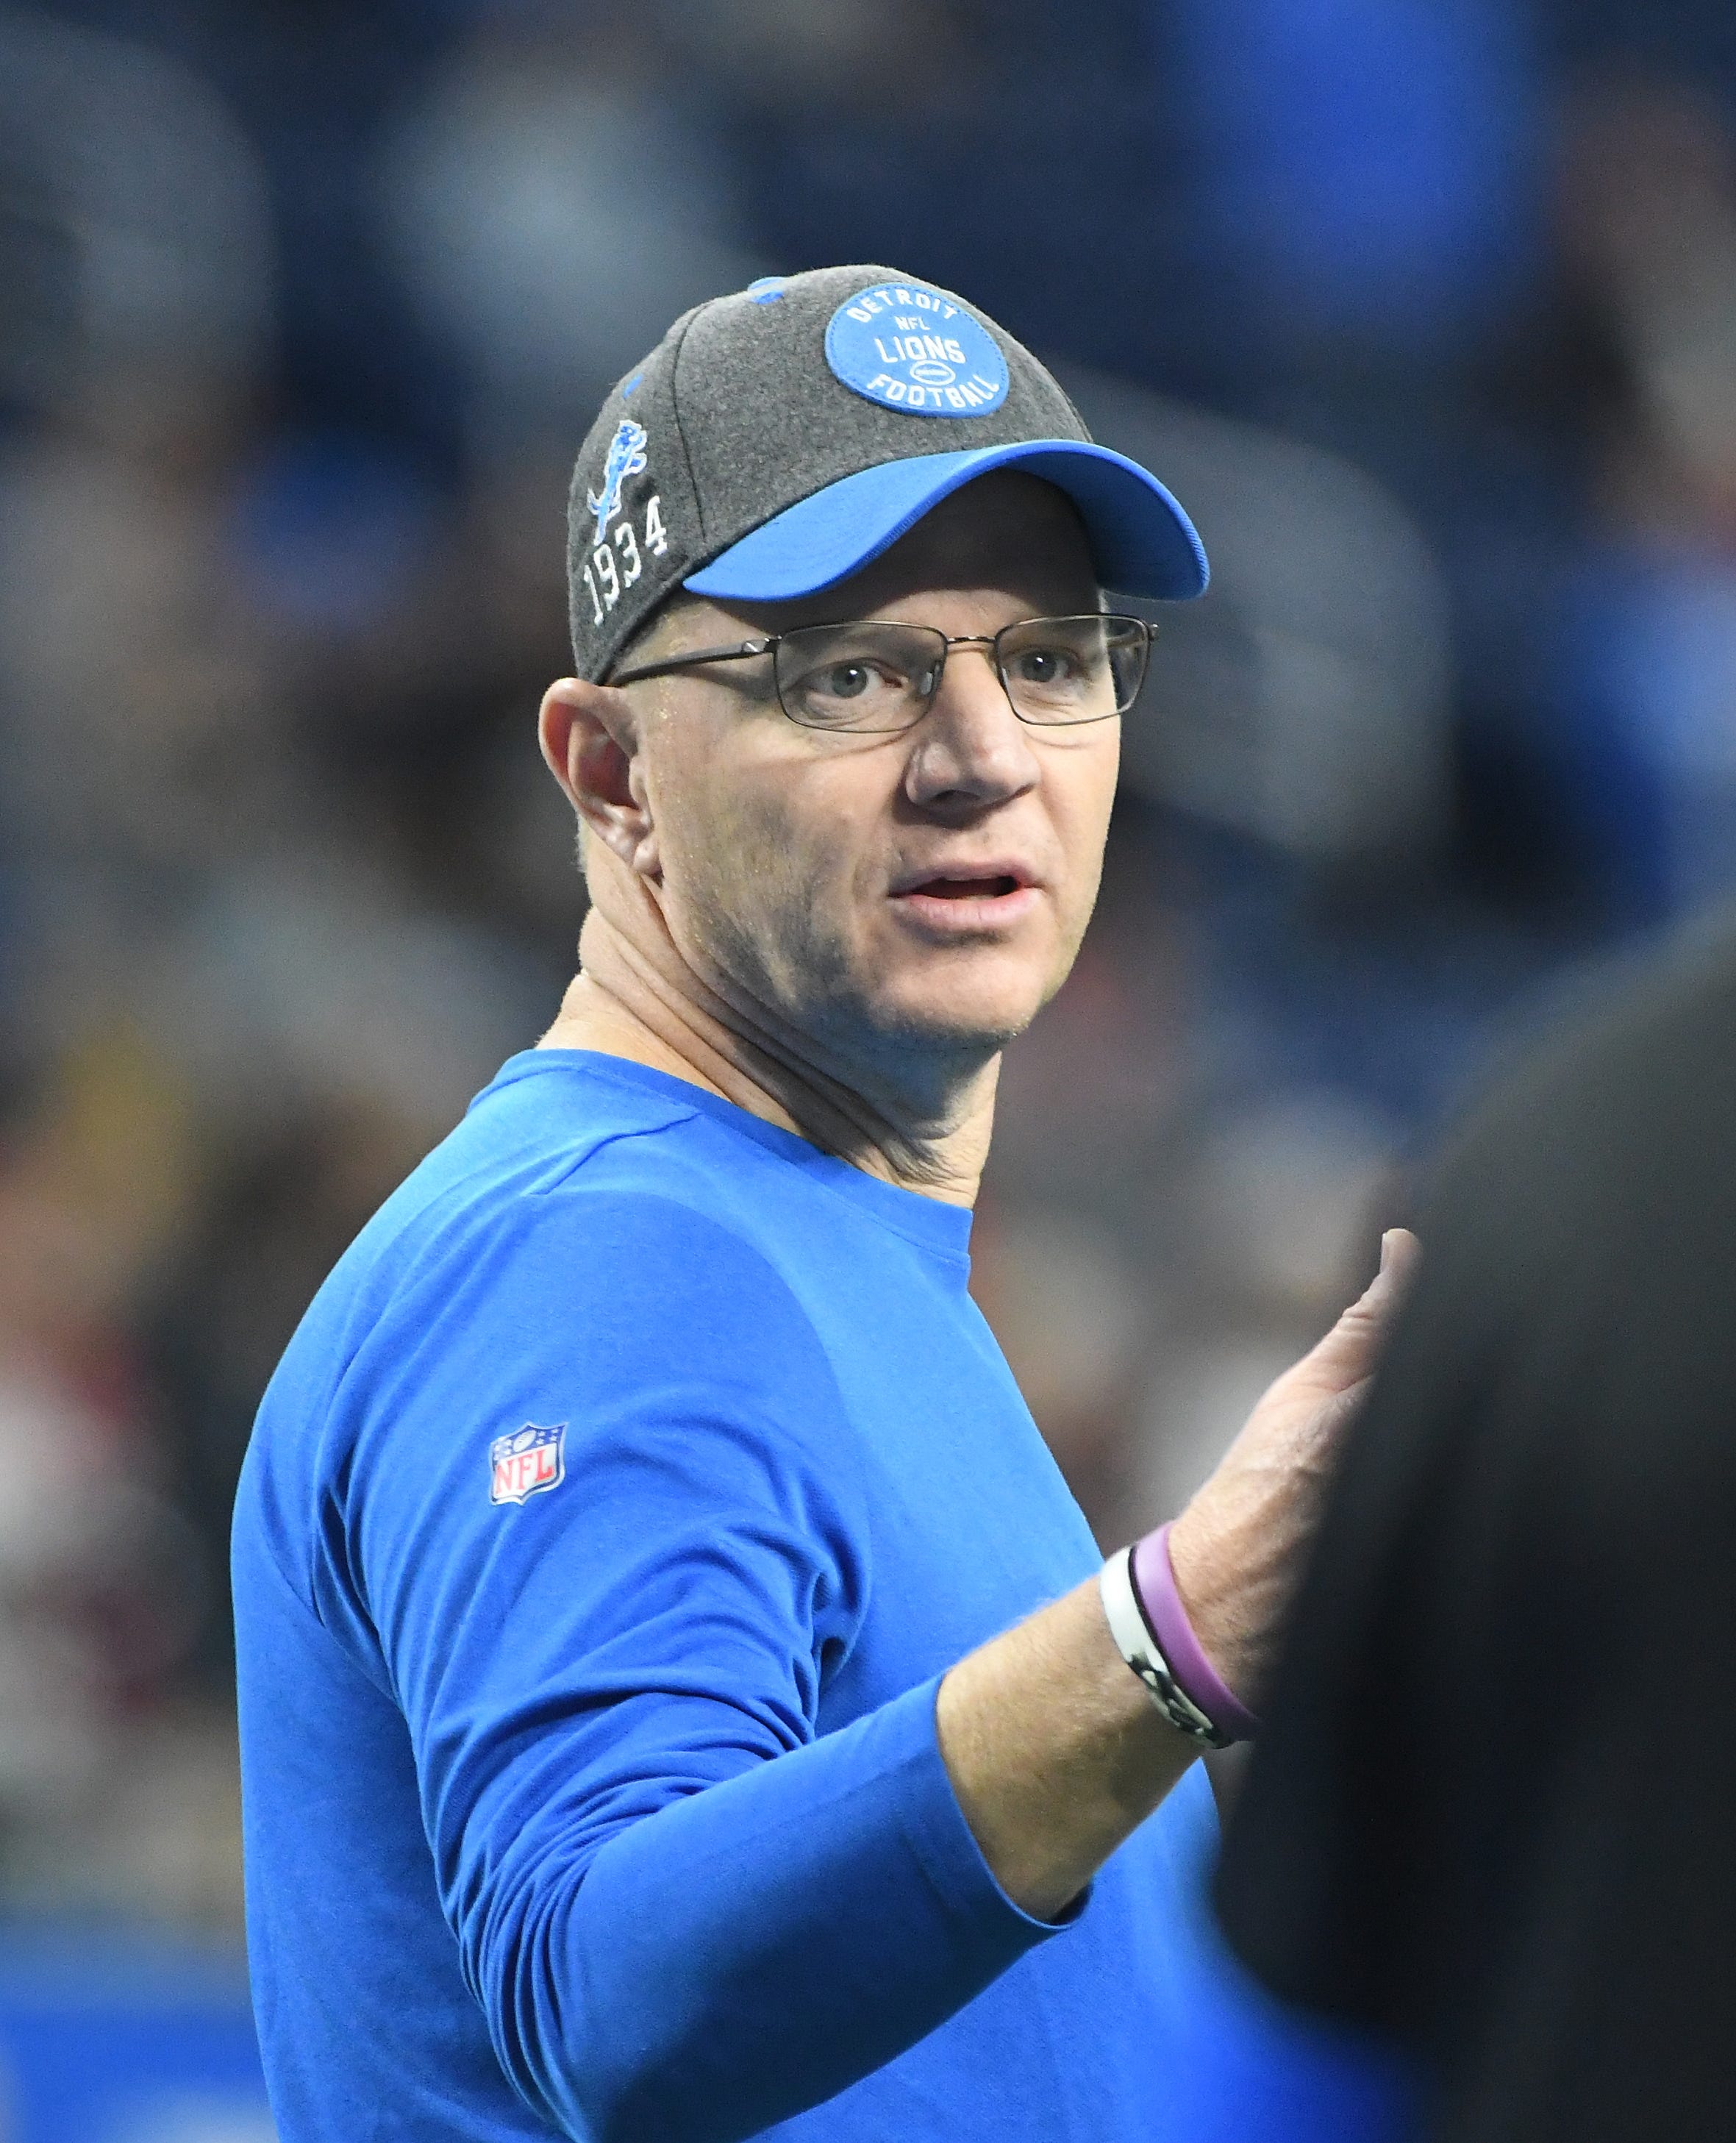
(908, 348)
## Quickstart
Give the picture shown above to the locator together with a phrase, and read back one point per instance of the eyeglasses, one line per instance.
(879, 677)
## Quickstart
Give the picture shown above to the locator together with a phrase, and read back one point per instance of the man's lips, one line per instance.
(965, 888)
(995, 879)
(973, 899)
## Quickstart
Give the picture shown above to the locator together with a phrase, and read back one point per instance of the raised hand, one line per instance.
(1238, 1549)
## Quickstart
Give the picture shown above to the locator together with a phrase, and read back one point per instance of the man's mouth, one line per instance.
(972, 902)
(966, 888)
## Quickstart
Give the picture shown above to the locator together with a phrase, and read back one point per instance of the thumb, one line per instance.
(1349, 1351)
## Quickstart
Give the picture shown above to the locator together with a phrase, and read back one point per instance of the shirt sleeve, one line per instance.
(684, 1911)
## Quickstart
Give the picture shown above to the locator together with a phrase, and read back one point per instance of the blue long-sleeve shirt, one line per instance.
(605, 1531)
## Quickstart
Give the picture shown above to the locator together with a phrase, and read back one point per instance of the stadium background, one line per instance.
(1426, 308)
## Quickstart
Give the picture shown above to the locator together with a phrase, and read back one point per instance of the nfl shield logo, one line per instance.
(521, 1464)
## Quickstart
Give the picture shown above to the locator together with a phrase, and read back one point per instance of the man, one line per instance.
(1489, 1826)
(678, 1695)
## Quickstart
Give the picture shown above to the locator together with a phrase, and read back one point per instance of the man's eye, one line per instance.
(1044, 665)
(844, 681)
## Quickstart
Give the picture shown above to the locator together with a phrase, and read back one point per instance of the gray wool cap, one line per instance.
(778, 439)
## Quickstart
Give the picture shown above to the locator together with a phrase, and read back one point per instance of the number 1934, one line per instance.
(615, 566)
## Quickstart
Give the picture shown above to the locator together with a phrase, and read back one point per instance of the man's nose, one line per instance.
(970, 746)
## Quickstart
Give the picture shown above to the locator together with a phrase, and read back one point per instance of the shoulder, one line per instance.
(573, 1186)
(608, 1286)
(631, 1254)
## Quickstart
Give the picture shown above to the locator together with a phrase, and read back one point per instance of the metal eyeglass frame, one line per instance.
(770, 642)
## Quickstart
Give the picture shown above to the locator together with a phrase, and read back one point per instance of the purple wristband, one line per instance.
(1153, 1585)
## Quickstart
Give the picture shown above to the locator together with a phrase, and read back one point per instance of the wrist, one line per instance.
(1153, 1634)
(1166, 1610)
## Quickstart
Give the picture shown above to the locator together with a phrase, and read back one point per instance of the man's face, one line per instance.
(878, 893)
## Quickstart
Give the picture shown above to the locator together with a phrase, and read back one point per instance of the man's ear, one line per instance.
(590, 737)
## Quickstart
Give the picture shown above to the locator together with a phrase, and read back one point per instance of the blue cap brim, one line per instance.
(1142, 543)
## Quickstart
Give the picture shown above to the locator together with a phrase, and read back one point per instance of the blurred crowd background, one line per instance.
(1426, 309)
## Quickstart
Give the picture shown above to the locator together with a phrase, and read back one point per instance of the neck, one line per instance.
(625, 1004)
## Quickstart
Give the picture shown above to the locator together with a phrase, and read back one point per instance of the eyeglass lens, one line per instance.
(878, 677)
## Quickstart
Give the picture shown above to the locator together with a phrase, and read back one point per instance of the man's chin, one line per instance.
(961, 1023)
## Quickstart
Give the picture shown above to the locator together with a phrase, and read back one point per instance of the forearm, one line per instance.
(1054, 1751)
(747, 1951)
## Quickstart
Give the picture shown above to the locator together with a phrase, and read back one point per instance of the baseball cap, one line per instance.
(777, 439)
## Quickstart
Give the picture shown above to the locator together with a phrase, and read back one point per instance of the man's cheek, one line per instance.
(766, 879)
(733, 845)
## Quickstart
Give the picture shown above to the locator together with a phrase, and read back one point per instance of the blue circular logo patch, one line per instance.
(909, 348)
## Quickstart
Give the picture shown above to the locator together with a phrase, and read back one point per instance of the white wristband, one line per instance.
(1137, 1645)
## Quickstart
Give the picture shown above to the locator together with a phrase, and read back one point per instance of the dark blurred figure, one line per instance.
(1489, 1821)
